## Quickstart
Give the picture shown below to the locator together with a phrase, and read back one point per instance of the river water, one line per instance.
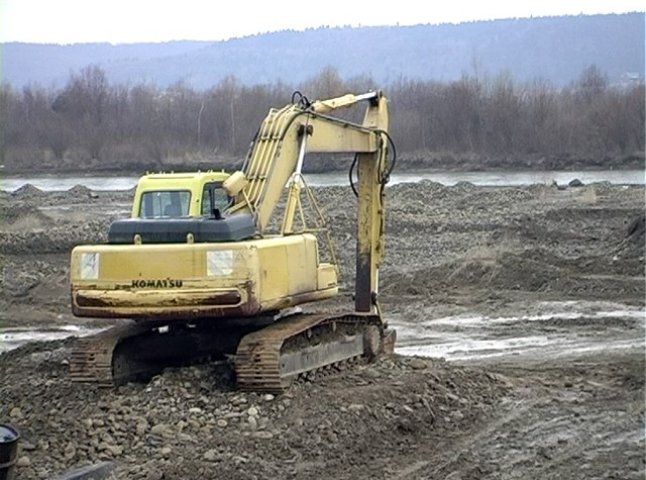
(489, 178)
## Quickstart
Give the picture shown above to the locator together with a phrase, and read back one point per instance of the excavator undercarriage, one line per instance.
(267, 356)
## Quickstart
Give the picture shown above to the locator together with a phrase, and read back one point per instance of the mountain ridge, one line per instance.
(555, 49)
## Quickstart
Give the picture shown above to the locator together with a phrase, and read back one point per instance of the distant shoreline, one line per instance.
(408, 164)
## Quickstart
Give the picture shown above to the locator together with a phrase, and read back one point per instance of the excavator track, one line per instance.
(267, 358)
(270, 359)
(92, 357)
(138, 351)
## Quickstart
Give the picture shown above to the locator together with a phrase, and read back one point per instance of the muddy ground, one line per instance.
(520, 319)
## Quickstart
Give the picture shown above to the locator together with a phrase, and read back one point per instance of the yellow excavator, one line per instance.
(206, 265)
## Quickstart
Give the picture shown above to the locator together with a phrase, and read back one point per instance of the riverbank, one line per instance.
(492, 178)
(336, 163)
(533, 295)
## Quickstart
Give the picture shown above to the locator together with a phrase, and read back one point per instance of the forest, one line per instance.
(475, 122)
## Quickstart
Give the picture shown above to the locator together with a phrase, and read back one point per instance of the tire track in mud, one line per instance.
(550, 428)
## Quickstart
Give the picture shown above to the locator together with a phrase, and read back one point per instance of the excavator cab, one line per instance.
(214, 200)
(173, 195)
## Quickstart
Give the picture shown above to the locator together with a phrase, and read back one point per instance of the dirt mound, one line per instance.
(497, 196)
(53, 240)
(483, 268)
(28, 191)
(22, 280)
(80, 191)
(416, 193)
(632, 244)
(25, 216)
(534, 270)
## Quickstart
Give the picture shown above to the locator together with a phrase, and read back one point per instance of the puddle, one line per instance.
(11, 338)
(545, 331)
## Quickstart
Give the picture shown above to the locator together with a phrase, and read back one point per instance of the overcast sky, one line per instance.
(127, 21)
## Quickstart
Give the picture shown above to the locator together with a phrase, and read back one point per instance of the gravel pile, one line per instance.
(188, 422)
(445, 247)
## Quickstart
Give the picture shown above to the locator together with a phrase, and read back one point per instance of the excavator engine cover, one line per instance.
(175, 230)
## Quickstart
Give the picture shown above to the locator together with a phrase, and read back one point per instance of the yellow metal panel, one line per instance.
(288, 267)
(326, 276)
(334, 137)
(161, 261)
(152, 262)
(302, 267)
(273, 274)
(191, 181)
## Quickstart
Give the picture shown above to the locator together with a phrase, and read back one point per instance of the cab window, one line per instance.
(165, 203)
(214, 196)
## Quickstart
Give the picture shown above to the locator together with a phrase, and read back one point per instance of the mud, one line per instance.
(520, 314)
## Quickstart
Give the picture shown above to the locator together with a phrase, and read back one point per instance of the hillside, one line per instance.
(552, 48)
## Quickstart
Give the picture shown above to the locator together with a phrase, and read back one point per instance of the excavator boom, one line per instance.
(277, 151)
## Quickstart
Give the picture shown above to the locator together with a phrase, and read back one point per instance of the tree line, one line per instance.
(477, 121)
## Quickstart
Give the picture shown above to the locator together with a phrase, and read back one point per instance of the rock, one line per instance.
(194, 423)
(185, 438)
(23, 462)
(154, 474)
(268, 397)
(253, 423)
(141, 428)
(575, 183)
(116, 450)
(210, 455)
(166, 451)
(263, 435)
(27, 446)
(70, 451)
(238, 400)
(159, 429)
(452, 396)
(253, 412)
(356, 407)
(195, 410)
(15, 412)
(417, 364)
(221, 423)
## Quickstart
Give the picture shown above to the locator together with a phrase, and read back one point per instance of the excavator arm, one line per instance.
(277, 153)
